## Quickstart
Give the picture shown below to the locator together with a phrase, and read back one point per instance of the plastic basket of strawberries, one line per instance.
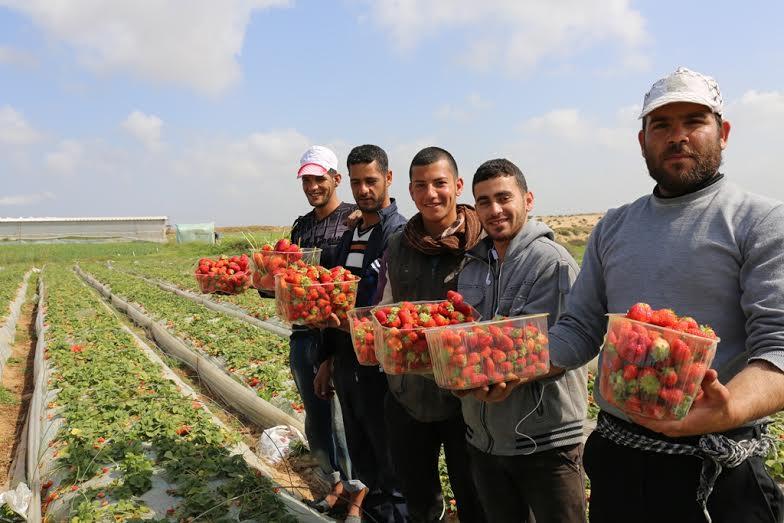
(311, 294)
(274, 259)
(400, 328)
(479, 354)
(226, 275)
(363, 335)
(653, 361)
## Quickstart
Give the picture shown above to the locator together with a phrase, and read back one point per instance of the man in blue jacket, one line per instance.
(361, 389)
(525, 440)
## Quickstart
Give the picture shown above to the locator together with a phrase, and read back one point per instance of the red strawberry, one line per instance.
(455, 297)
(630, 372)
(680, 352)
(671, 396)
(668, 377)
(640, 312)
(664, 318)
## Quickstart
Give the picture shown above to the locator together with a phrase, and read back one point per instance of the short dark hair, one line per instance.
(431, 155)
(499, 167)
(368, 154)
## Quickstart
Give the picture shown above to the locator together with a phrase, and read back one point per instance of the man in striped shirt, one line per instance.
(360, 389)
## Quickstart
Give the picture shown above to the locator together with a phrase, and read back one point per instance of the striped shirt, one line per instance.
(356, 253)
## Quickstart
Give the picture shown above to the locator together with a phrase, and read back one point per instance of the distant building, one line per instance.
(130, 228)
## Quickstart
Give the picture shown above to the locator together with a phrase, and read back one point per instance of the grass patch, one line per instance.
(6, 397)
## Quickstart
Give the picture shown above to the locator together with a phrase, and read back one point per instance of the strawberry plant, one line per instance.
(121, 429)
(256, 357)
(176, 271)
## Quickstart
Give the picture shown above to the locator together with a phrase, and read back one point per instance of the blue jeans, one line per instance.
(323, 420)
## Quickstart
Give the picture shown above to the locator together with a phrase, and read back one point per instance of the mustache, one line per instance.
(678, 149)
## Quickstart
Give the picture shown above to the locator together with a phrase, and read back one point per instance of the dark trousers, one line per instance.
(415, 447)
(642, 486)
(361, 391)
(323, 426)
(549, 485)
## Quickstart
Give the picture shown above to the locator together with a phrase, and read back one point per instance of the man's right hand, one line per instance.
(491, 393)
(322, 382)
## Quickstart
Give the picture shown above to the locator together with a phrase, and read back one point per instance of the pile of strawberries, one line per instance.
(226, 275)
(654, 361)
(311, 294)
(363, 335)
(472, 356)
(273, 259)
(403, 346)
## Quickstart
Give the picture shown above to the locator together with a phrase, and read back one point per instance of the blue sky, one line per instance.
(199, 110)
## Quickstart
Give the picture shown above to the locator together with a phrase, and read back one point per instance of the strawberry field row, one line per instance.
(179, 271)
(10, 280)
(122, 442)
(256, 357)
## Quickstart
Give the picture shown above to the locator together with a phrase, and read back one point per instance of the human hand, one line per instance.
(353, 219)
(710, 412)
(491, 393)
(332, 322)
(322, 382)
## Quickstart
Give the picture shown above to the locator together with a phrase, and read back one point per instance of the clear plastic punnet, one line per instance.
(265, 264)
(310, 302)
(402, 350)
(473, 355)
(223, 283)
(363, 335)
(652, 371)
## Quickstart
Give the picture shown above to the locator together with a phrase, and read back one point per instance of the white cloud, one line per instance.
(568, 125)
(193, 43)
(14, 129)
(260, 157)
(515, 34)
(26, 199)
(66, 158)
(768, 105)
(466, 110)
(12, 56)
(144, 127)
(755, 137)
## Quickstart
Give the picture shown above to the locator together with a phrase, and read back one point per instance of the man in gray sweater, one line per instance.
(526, 447)
(702, 246)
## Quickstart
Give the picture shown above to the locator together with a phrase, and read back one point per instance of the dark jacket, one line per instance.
(416, 276)
(534, 277)
(391, 222)
(325, 234)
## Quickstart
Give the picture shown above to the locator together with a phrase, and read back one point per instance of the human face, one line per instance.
(682, 146)
(435, 189)
(319, 189)
(369, 186)
(502, 207)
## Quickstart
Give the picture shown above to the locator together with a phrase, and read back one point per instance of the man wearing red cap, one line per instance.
(322, 227)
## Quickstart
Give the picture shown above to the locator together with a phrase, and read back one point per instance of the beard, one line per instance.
(375, 206)
(678, 181)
